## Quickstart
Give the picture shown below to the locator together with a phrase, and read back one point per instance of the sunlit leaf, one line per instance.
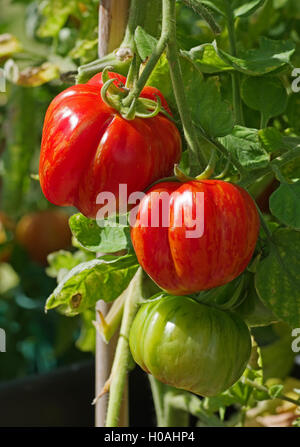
(99, 279)
(35, 76)
(9, 45)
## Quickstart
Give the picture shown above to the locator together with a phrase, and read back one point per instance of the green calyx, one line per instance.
(207, 173)
(113, 96)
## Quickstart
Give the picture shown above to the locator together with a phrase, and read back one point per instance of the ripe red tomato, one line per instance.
(181, 264)
(43, 232)
(88, 148)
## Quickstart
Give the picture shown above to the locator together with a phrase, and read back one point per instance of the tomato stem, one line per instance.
(235, 76)
(157, 389)
(122, 354)
(169, 21)
(157, 52)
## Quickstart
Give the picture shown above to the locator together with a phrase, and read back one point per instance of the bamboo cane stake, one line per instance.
(113, 16)
(112, 22)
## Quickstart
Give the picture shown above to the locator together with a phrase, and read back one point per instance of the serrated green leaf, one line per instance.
(269, 57)
(206, 59)
(278, 276)
(145, 43)
(100, 279)
(65, 260)
(285, 204)
(105, 239)
(243, 143)
(208, 109)
(271, 139)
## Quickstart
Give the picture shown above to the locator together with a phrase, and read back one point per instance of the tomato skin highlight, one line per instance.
(181, 265)
(189, 345)
(88, 148)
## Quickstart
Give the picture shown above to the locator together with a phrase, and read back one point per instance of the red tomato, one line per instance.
(88, 148)
(181, 264)
(43, 232)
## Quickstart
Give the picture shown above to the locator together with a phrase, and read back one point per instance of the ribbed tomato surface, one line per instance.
(88, 148)
(181, 264)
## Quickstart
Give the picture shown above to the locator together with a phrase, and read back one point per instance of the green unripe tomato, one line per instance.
(190, 345)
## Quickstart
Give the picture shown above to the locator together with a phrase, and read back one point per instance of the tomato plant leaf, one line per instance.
(207, 59)
(278, 276)
(8, 278)
(86, 341)
(284, 204)
(271, 139)
(244, 145)
(36, 76)
(55, 14)
(293, 112)
(208, 109)
(160, 78)
(278, 358)
(9, 45)
(267, 95)
(99, 279)
(145, 43)
(95, 238)
(247, 8)
(62, 261)
(216, 5)
(239, 8)
(270, 56)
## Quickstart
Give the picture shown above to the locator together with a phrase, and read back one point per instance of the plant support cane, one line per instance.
(108, 11)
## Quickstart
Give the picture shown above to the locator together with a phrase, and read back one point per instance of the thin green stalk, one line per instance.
(137, 14)
(197, 158)
(235, 76)
(265, 390)
(157, 389)
(264, 121)
(122, 354)
(154, 58)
